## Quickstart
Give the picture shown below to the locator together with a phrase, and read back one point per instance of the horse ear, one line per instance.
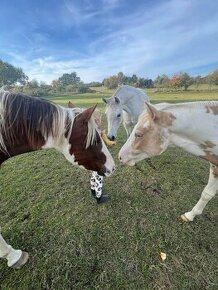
(86, 115)
(106, 100)
(71, 105)
(153, 112)
(117, 100)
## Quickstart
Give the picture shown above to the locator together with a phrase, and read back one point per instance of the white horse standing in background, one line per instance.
(190, 126)
(125, 105)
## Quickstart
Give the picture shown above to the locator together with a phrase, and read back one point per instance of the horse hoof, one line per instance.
(184, 218)
(22, 261)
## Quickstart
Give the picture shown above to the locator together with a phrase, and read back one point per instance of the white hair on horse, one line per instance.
(26, 113)
(92, 127)
(125, 105)
(191, 126)
(28, 124)
(92, 130)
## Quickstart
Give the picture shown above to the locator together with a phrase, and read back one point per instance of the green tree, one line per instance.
(161, 81)
(111, 82)
(33, 84)
(197, 81)
(134, 79)
(10, 75)
(69, 79)
(212, 78)
(186, 80)
(144, 83)
(121, 77)
(181, 80)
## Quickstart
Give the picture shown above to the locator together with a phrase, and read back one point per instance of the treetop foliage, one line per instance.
(10, 75)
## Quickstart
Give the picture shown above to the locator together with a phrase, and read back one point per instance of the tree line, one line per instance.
(178, 81)
(15, 79)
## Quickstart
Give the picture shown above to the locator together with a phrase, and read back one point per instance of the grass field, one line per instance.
(46, 209)
(155, 96)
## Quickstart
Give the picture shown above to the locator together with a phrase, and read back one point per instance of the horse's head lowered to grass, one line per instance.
(191, 126)
(150, 136)
(28, 124)
(125, 105)
(87, 146)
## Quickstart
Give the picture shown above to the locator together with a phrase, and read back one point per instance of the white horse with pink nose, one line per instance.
(191, 126)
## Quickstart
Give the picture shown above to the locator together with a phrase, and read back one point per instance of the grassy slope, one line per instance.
(46, 209)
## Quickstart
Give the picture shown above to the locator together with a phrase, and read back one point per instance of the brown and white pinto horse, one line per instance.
(28, 124)
(191, 126)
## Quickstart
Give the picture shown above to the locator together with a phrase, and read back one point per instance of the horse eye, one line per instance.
(138, 135)
(119, 115)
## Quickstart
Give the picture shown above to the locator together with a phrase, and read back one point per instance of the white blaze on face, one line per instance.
(125, 154)
(114, 115)
(109, 164)
(147, 139)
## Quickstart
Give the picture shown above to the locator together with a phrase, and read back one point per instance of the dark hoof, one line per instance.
(103, 199)
(22, 261)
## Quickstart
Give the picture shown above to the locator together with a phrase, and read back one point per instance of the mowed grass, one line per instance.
(156, 96)
(46, 209)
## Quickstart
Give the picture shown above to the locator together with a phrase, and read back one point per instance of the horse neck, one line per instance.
(59, 140)
(132, 102)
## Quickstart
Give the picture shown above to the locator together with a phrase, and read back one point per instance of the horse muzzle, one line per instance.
(111, 137)
(106, 172)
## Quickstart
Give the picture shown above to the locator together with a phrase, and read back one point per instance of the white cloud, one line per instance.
(177, 35)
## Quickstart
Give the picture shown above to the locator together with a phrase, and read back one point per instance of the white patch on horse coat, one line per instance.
(193, 128)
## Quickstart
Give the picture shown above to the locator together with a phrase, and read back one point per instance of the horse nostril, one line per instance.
(120, 158)
(112, 138)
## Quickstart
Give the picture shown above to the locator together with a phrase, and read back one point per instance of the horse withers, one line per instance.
(125, 105)
(191, 126)
(28, 124)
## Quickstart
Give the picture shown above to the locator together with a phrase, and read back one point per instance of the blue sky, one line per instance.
(47, 38)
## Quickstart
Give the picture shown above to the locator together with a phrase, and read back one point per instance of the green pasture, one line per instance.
(155, 95)
(46, 209)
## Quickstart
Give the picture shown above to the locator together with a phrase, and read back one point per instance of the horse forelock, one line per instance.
(32, 118)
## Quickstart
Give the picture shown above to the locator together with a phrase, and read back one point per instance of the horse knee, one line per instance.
(207, 195)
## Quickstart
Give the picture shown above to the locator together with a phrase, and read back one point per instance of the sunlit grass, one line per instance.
(47, 210)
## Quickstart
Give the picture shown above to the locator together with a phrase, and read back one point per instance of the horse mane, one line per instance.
(29, 116)
(92, 127)
(137, 92)
(91, 136)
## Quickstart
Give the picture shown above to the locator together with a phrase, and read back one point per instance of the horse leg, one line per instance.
(15, 258)
(209, 191)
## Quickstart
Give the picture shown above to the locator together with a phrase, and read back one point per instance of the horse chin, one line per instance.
(103, 171)
(130, 162)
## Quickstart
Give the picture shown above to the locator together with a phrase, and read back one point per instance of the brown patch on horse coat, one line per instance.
(154, 140)
(212, 158)
(160, 117)
(165, 118)
(215, 170)
(207, 144)
(212, 108)
(92, 157)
